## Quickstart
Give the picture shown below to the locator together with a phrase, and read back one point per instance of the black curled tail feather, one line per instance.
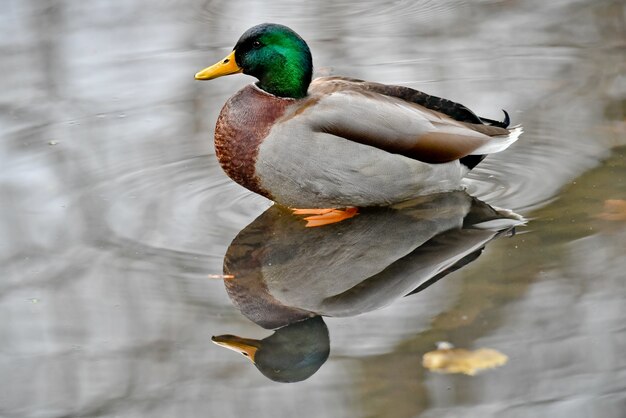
(504, 124)
(471, 161)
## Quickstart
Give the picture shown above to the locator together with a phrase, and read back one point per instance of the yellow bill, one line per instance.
(225, 67)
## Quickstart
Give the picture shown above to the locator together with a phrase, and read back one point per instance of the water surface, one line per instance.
(113, 212)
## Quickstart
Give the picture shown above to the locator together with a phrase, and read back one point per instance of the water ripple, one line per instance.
(184, 206)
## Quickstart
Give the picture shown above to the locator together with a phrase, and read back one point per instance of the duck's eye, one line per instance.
(256, 44)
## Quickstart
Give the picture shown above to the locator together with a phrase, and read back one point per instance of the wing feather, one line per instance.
(393, 125)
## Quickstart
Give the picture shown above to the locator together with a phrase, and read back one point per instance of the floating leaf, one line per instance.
(459, 360)
(614, 210)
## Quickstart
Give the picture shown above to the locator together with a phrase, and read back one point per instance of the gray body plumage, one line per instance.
(321, 170)
(344, 145)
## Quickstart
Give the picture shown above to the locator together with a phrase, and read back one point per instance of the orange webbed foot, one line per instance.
(321, 217)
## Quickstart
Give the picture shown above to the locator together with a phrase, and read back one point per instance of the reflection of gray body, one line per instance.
(285, 272)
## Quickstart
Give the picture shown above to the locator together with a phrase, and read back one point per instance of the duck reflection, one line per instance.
(284, 276)
(293, 353)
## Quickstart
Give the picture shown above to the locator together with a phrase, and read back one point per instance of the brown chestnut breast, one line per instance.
(243, 124)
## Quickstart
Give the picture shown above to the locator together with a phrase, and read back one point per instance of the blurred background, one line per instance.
(114, 211)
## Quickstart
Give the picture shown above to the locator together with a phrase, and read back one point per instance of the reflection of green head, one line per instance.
(293, 353)
(278, 57)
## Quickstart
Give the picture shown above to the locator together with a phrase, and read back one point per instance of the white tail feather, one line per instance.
(500, 143)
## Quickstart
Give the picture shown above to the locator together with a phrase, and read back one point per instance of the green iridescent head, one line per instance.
(274, 54)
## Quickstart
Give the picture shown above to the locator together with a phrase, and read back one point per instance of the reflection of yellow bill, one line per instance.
(220, 276)
(460, 360)
(245, 346)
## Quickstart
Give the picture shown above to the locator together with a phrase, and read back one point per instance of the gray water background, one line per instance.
(113, 211)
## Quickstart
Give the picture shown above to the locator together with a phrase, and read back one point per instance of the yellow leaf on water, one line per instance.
(614, 210)
(460, 360)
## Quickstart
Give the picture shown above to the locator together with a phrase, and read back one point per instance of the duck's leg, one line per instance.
(321, 217)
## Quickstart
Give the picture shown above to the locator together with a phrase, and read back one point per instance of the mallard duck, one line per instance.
(337, 142)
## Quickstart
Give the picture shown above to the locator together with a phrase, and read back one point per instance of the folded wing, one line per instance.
(354, 111)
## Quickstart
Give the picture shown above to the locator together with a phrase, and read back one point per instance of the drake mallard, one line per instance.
(339, 142)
